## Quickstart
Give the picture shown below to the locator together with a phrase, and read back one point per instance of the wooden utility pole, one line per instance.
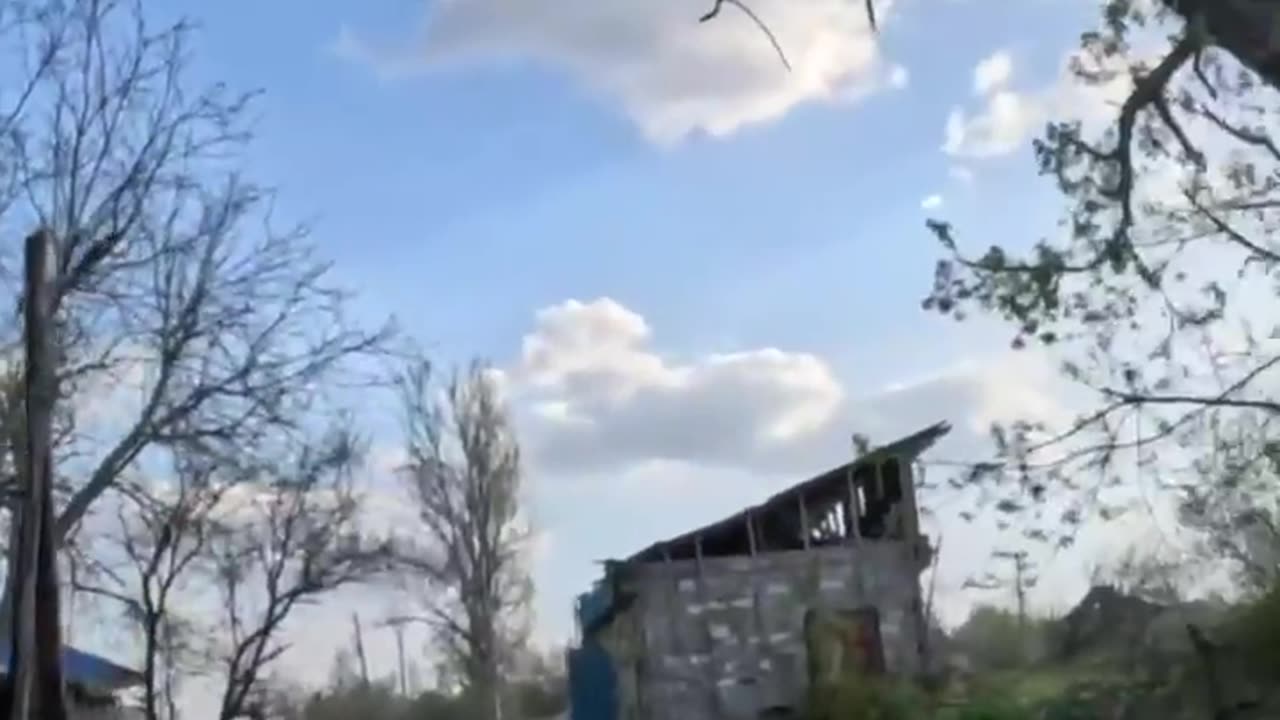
(400, 666)
(35, 670)
(926, 638)
(397, 623)
(1021, 582)
(360, 655)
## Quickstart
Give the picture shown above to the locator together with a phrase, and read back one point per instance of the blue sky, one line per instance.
(420, 186)
(465, 171)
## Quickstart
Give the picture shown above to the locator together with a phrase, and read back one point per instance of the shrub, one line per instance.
(864, 698)
(993, 639)
(1255, 629)
(990, 709)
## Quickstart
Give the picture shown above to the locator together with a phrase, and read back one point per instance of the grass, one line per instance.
(1082, 690)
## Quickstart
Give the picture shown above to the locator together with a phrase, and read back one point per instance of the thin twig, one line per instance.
(715, 11)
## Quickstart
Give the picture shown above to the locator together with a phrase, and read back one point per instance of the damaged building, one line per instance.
(738, 618)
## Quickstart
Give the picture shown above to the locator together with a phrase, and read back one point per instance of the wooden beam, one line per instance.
(805, 530)
(855, 505)
(910, 502)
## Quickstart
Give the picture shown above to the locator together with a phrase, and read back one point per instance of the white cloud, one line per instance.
(673, 75)
(1000, 128)
(1018, 386)
(992, 72)
(932, 202)
(593, 393)
(1008, 117)
(899, 77)
(1005, 120)
(602, 394)
(971, 395)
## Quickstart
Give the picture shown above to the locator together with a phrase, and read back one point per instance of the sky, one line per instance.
(698, 271)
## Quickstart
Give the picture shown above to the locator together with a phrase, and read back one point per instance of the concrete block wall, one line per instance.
(728, 641)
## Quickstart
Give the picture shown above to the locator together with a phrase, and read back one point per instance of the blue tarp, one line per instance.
(86, 670)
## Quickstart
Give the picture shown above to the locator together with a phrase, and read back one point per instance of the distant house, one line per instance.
(92, 683)
(736, 619)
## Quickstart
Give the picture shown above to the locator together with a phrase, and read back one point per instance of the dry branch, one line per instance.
(715, 12)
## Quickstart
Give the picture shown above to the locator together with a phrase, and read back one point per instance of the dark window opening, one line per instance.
(891, 473)
(830, 516)
(882, 493)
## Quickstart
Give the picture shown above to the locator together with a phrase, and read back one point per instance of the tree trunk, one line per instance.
(482, 672)
(35, 662)
(10, 577)
(1248, 29)
(15, 436)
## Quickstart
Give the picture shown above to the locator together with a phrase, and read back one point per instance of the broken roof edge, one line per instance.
(88, 670)
(908, 447)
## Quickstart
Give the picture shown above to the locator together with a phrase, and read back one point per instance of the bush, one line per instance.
(990, 709)
(863, 698)
(1256, 631)
(993, 639)
(888, 699)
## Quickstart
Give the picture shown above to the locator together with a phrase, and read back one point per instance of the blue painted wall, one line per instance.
(593, 607)
(593, 685)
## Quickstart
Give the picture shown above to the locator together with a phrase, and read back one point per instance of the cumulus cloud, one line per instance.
(932, 202)
(1007, 116)
(971, 395)
(606, 395)
(992, 72)
(673, 75)
(998, 129)
(1005, 121)
(597, 394)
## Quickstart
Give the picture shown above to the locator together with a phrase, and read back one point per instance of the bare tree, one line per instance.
(269, 535)
(164, 537)
(295, 537)
(166, 281)
(464, 472)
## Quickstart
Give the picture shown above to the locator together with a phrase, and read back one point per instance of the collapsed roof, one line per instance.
(778, 521)
(775, 518)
